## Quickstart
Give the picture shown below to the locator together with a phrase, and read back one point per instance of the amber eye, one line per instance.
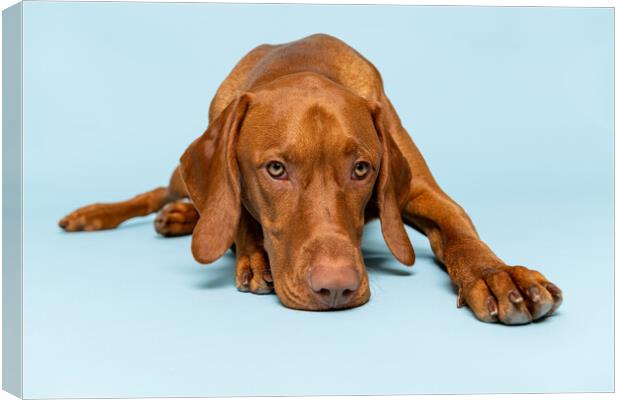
(276, 170)
(360, 170)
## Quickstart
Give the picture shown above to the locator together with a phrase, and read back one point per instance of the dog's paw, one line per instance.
(253, 273)
(511, 295)
(91, 218)
(176, 219)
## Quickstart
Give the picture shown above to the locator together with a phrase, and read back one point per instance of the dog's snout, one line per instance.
(334, 283)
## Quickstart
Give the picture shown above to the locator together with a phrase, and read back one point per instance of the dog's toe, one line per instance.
(176, 219)
(253, 273)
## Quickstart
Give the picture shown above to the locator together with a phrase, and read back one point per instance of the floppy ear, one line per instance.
(211, 174)
(394, 176)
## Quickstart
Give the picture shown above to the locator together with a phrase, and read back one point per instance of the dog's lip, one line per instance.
(344, 307)
(293, 302)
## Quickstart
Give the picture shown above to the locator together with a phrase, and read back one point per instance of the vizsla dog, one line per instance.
(302, 149)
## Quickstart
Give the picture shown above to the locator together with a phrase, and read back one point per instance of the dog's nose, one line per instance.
(334, 283)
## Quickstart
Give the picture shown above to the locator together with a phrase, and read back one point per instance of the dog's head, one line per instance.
(310, 161)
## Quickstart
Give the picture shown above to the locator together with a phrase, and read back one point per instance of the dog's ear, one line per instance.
(394, 178)
(211, 174)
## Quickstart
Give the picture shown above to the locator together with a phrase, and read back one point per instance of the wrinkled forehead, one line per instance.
(326, 122)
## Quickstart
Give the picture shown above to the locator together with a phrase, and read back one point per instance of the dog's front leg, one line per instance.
(493, 290)
(253, 273)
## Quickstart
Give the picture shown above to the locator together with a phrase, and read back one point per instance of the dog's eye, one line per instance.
(360, 170)
(276, 170)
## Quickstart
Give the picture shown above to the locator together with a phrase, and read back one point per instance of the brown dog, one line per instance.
(303, 148)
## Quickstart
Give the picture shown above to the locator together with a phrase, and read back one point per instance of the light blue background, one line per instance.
(512, 108)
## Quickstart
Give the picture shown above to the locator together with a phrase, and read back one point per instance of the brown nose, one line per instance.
(334, 283)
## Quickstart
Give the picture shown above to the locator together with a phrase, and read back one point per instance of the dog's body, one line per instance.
(303, 148)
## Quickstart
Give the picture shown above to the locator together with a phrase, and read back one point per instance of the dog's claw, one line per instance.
(557, 297)
(492, 306)
(245, 278)
(515, 297)
(534, 294)
(459, 298)
(554, 290)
